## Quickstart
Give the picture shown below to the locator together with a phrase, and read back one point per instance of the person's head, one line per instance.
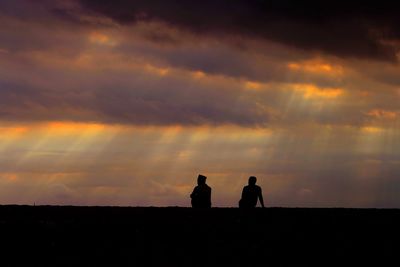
(201, 179)
(252, 180)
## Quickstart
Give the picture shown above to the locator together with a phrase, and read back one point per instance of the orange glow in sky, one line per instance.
(125, 104)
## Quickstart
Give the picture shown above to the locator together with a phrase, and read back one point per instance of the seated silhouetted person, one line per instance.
(250, 194)
(201, 195)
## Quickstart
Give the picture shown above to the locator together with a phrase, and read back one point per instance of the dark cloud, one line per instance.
(131, 98)
(149, 106)
(57, 71)
(341, 28)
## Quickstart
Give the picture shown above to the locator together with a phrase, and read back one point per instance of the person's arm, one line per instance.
(243, 192)
(194, 193)
(260, 196)
(209, 197)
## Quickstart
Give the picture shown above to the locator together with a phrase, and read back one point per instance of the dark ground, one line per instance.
(117, 236)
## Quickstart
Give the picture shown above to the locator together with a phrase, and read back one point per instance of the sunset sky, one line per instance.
(126, 102)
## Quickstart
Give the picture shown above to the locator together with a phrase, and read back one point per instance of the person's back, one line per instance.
(250, 194)
(201, 195)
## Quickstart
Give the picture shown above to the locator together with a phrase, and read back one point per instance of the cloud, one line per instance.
(356, 29)
(120, 165)
(125, 103)
(112, 75)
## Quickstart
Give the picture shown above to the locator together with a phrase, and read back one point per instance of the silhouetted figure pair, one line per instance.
(201, 195)
(251, 194)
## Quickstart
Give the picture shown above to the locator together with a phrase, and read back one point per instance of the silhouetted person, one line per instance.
(201, 195)
(250, 194)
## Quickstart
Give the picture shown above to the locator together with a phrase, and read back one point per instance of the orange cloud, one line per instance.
(198, 74)
(253, 85)
(13, 131)
(311, 91)
(372, 129)
(382, 114)
(73, 127)
(316, 66)
(9, 177)
(156, 70)
(101, 39)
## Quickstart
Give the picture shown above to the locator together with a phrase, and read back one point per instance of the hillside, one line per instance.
(125, 236)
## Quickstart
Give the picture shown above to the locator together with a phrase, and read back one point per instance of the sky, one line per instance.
(124, 103)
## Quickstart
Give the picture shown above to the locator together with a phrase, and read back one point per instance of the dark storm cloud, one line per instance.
(341, 28)
(52, 69)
